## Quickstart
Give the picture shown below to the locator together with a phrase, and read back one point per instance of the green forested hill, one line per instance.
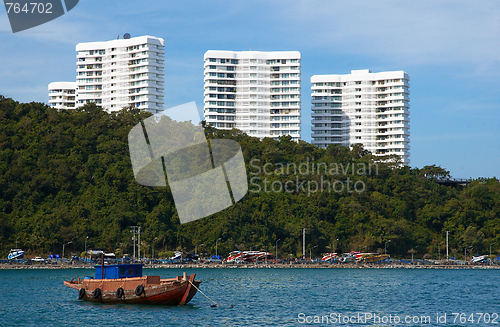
(67, 175)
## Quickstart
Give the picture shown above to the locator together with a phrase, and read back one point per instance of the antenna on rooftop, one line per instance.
(126, 36)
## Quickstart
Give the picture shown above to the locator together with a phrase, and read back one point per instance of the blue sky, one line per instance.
(451, 49)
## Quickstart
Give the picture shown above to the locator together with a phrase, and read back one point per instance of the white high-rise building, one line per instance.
(253, 91)
(363, 107)
(62, 95)
(122, 73)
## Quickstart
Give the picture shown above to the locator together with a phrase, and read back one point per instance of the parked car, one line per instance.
(38, 259)
(213, 260)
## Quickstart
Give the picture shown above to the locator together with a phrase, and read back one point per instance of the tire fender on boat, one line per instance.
(96, 293)
(139, 290)
(81, 293)
(120, 292)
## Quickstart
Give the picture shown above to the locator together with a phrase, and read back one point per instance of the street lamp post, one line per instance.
(412, 252)
(216, 256)
(465, 253)
(133, 238)
(385, 248)
(65, 245)
(304, 243)
(86, 248)
(447, 245)
(133, 230)
(153, 251)
(139, 242)
(310, 251)
(333, 251)
(196, 247)
(439, 250)
(277, 249)
(490, 247)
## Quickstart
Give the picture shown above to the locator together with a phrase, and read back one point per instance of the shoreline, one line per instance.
(6, 266)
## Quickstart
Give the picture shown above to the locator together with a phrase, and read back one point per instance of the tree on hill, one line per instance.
(66, 175)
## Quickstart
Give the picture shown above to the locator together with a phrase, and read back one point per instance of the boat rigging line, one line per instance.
(215, 303)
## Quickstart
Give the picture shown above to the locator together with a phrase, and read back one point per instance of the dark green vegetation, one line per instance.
(67, 175)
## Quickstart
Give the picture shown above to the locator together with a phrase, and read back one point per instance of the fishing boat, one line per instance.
(247, 256)
(479, 258)
(348, 257)
(124, 283)
(15, 254)
(327, 257)
(373, 257)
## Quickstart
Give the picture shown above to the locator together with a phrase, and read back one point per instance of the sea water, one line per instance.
(268, 297)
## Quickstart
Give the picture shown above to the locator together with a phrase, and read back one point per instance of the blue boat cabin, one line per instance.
(118, 271)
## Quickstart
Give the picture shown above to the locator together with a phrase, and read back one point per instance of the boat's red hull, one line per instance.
(174, 291)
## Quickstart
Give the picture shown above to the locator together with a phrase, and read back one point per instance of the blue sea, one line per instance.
(268, 297)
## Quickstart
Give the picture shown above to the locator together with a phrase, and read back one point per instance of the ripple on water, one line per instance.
(260, 297)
